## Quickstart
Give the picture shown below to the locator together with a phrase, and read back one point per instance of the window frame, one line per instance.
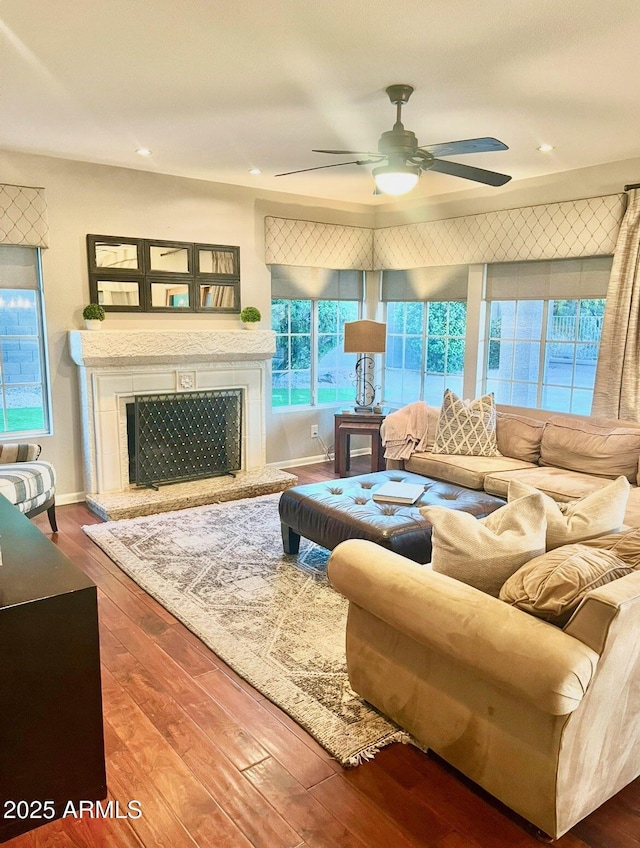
(43, 350)
(540, 383)
(314, 335)
(424, 339)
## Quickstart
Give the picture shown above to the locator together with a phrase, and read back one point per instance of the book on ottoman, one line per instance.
(399, 493)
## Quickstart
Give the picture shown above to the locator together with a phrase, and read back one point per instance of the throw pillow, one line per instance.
(484, 552)
(466, 427)
(552, 586)
(625, 545)
(595, 514)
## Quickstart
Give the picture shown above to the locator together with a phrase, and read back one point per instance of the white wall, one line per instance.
(84, 198)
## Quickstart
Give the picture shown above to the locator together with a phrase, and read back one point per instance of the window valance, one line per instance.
(317, 245)
(573, 228)
(23, 216)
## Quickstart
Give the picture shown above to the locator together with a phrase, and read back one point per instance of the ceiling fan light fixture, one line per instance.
(396, 179)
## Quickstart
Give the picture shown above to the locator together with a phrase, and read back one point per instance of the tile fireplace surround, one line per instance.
(115, 365)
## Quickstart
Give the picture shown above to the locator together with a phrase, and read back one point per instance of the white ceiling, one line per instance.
(215, 87)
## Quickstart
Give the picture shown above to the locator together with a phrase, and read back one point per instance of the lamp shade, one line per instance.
(365, 337)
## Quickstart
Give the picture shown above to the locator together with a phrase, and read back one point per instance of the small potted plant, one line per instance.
(93, 315)
(250, 316)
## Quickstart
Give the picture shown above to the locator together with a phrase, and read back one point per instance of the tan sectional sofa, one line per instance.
(546, 719)
(565, 456)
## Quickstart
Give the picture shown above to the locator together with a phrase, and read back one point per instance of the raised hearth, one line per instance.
(116, 365)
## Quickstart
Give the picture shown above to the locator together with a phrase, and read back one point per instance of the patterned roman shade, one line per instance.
(317, 245)
(573, 228)
(23, 216)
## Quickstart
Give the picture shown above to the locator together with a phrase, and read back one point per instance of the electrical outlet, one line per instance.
(314, 431)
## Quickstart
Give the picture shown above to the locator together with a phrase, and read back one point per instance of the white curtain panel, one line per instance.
(617, 386)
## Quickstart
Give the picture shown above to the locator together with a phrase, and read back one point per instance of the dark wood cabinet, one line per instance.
(51, 733)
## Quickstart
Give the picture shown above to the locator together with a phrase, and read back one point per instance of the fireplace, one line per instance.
(184, 436)
(116, 366)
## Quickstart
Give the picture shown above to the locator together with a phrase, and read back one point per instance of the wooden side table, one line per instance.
(349, 424)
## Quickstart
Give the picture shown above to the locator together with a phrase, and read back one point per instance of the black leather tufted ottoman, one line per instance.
(329, 513)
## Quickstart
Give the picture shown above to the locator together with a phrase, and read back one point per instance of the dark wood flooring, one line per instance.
(216, 765)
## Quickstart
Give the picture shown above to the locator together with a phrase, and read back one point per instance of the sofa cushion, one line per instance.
(484, 552)
(560, 484)
(466, 427)
(518, 436)
(551, 586)
(600, 512)
(468, 471)
(602, 450)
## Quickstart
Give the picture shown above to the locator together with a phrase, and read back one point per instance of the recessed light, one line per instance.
(545, 148)
(255, 171)
(143, 151)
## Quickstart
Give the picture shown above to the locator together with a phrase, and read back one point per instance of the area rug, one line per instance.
(273, 618)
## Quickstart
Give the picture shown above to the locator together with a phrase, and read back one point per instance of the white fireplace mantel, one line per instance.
(146, 347)
(116, 365)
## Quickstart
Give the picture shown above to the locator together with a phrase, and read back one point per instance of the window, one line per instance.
(23, 370)
(309, 309)
(425, 350)
(543, 326)
(426, 328)
(543, 353)
(309, 366)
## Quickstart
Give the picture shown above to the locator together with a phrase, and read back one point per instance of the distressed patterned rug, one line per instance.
(273, 618)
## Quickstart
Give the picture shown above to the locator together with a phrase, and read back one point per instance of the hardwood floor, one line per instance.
(215, 765)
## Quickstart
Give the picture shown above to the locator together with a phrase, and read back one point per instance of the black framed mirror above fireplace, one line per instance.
(151, 275)
(184, 436)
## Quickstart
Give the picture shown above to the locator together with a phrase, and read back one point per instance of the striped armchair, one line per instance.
(28, 482)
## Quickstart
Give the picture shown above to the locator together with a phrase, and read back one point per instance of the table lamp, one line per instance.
(365, 337)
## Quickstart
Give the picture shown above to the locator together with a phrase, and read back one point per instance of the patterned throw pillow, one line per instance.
(467, 427)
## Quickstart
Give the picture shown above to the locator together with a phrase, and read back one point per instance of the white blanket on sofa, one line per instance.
(406, 431)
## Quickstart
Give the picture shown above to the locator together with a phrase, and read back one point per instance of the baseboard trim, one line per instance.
(310, 460)
(70, 498)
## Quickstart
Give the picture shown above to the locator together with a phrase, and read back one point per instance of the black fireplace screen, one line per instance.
(184, 436)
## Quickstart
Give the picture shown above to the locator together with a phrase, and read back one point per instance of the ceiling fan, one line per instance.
(405, 160)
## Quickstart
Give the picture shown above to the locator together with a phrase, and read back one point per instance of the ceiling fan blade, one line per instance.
(469, 145)
(334, 165)
(478, 175)
(348, 152)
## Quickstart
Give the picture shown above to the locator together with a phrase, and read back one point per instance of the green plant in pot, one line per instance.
(93, 315)
(250, 317)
